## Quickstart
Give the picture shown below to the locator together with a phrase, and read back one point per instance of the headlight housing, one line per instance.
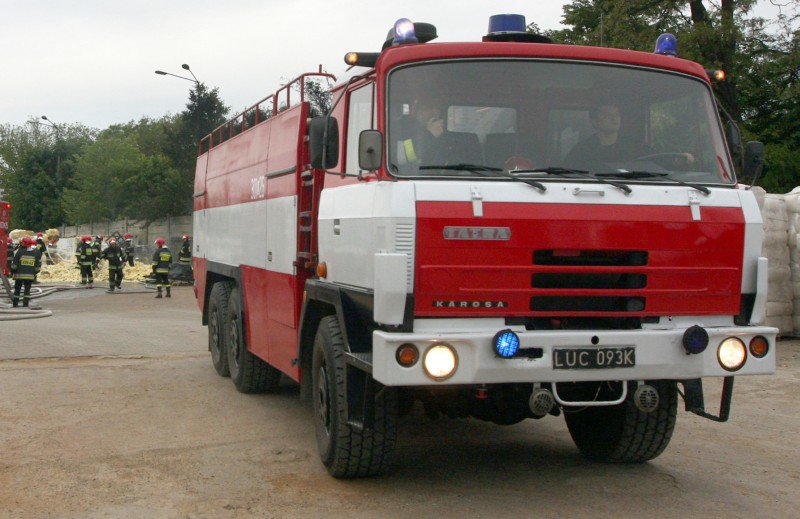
(440, 361)
(732, 354)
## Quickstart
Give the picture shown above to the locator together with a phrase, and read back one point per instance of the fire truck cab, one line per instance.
(461, 230)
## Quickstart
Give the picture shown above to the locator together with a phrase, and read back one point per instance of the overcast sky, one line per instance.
(93, 61)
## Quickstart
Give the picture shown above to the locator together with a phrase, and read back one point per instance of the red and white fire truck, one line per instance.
(5, 210)
(435, 240)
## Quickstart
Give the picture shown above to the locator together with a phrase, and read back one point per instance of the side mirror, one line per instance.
(370, 150)
(734, 137)
(323, 142)
(753, 160)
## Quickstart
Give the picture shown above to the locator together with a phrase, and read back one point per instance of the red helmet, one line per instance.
(39, 235)
(185, 237)
(25, 242)
(100, 237)
(112, 241)
(86, 239)
(127, 236)
(160, 242)
(10, 239)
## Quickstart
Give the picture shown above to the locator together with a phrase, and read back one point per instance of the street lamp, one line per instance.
(54, 125)
(185, 67)
(58, 152)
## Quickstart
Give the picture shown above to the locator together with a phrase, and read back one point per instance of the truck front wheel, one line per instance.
(622, 433)
(347, 451)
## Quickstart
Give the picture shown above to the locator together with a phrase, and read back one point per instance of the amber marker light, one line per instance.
(407, 355)
(759, 347)
(322, 270)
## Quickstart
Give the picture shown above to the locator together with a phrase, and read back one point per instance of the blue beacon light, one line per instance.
(506, 23)
(667, 45)
(506, 343)
(404, 32)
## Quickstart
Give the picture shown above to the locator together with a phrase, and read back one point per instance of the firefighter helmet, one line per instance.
(160, 242)
(185, 237)
(25, 242)
(100, 237)
(127, 236)
(86, 239)
(112, 241)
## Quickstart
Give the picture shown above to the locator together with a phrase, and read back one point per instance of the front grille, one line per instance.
(585, 303)
(596, 270)
(587, 258)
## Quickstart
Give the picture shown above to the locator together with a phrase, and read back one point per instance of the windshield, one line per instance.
(529, 115)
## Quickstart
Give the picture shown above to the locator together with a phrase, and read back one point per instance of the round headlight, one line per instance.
(440, 361)
(731, 354)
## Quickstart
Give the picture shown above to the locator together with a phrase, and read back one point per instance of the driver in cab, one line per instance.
(605, 146)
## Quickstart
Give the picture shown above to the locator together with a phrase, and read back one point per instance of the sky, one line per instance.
(93, 62)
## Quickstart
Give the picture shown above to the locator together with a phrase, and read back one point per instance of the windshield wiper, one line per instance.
(566, 172)
(487, 171)
(653, 174)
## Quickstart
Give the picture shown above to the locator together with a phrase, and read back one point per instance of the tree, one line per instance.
(204, 112)
(36, 164)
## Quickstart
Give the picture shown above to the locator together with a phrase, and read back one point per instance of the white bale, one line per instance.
(783, 323)
(759, 193)
(775, 308)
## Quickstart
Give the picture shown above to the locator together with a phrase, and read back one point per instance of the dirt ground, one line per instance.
(111, 408)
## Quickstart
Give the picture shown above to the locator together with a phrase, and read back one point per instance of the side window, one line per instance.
(360, 117)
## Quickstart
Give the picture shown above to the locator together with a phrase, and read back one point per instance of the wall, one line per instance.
(170, 228)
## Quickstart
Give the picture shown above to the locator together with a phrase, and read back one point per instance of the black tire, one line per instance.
(622, 433)
(348, 452)
(217, 311)
(249, 373)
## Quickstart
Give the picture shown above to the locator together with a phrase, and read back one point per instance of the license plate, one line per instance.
(594, 358)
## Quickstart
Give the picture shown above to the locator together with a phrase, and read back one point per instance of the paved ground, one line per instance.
(111, 408)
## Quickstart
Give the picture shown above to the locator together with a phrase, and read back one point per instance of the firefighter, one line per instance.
(86, 261)
(10, 250)
(185, 254)
(162, 259)
(127, 247)
(24, 266)
(97, 246)
(41, 249)
(116, 259)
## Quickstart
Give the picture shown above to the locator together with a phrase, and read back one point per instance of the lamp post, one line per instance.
(184, 67)
(58, 152)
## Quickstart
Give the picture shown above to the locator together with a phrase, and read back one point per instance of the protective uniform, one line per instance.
(10, 250)
(162, 259)
(127, 247)
(97, 246)
(86, 260)
(116, 259)
(24, 267)
(185, 254)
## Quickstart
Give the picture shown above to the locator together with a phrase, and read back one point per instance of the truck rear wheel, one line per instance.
(347, 451)
(622, 433)
(217, 310)
(249, 373)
